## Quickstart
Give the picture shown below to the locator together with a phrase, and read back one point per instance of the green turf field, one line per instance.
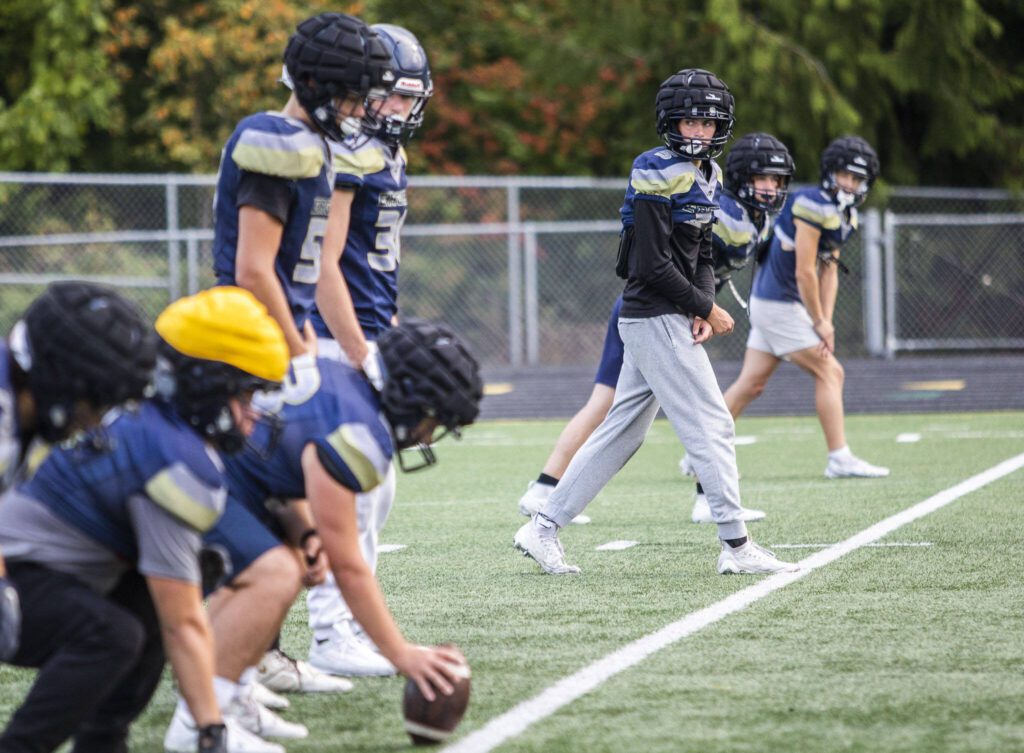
(891, 648)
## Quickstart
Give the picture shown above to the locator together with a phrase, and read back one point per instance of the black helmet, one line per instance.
(430, 373)
(694, 93)
(758, 154)
(412, 78)
(81, 341)
(332, 56)
(854, 155)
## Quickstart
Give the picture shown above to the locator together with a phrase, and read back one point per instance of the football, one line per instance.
(431, 722)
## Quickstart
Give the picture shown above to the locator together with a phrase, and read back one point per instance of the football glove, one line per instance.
(213, 738)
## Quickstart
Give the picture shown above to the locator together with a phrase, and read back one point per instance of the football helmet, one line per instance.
(758, 154)
(412, 78)
(217, 345)
(854, 155)
(429, 374)
(333, 56)
(81, 341)
(694, 93)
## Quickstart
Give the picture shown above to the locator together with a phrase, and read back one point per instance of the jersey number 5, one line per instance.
(388, 244)
(307, 268)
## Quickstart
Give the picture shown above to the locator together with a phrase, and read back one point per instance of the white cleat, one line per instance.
(345, 654)
(542, 544)
(282, 674)
(852, 466)
(536, 495)
(267, 697)
(183, 737)
(751, 558)
(261, 721)
(702, 511)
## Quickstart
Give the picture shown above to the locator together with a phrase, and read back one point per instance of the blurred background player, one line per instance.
(275, 180)
(104, 538)
(757, 174)
(357, 301)
(794, 296)
(668, 309)
(77, 350)
(292, 509)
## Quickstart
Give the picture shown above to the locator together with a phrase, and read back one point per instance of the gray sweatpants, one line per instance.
(661, 365)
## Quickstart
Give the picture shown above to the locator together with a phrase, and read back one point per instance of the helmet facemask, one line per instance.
(693, 148)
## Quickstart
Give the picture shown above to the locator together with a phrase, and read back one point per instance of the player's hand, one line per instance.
(314, 560)
(10, 620)
(824, 329)
(432, 669)
(720, 320)
(702, 330)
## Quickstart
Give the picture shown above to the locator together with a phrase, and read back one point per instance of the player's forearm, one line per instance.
(363, 595)
(334, 302)
(828, 288)
(266, 287)
(188, 643)
(807, 285)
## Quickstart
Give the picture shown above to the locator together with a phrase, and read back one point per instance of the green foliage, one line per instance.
(542, 87)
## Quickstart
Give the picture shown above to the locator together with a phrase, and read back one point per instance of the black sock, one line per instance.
(547, 480)
(734, 543)
(700, 489)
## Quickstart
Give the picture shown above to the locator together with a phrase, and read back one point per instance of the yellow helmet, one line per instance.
(229, 325)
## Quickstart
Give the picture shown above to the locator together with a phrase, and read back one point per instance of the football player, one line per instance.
(103, 538)
(757, 174)
(794, 296)
(668, 308)
(79, 349)
(275, 180)
(357, 301)
(292, 511)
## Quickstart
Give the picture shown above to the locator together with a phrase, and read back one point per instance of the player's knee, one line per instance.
(119, 640)
(275, 574)
(838, 372)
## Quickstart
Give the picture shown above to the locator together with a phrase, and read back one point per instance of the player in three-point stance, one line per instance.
(668, 311)
(292, 512)
(103, 536)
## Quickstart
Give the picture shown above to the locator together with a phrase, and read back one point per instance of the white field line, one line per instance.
(908, 437)
(875, 544)
(385, 548)
(615, 546)
(520, 717)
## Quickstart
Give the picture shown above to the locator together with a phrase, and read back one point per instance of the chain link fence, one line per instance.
(523, 267)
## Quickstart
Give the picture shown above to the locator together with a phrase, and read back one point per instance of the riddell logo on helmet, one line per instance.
(777, 158)
(860, 160)
(712, 97)
(409, 86)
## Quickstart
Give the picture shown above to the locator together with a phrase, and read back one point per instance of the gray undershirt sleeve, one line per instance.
(167, 547)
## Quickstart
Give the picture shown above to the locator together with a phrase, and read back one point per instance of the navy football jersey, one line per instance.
(10, 444)
(277, 148)
(341, 417)
(373, 248)
(660, 175)
(735, 235)
(146, 452)
(776, 279)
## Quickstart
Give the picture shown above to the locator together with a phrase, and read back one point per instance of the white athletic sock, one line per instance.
(841, 454)
(225, 690)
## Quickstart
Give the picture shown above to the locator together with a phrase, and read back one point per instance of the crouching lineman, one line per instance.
(338, 440)
(103, 540)
(78, 350)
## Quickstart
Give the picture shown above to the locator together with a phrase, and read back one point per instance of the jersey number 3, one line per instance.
(388, 244)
